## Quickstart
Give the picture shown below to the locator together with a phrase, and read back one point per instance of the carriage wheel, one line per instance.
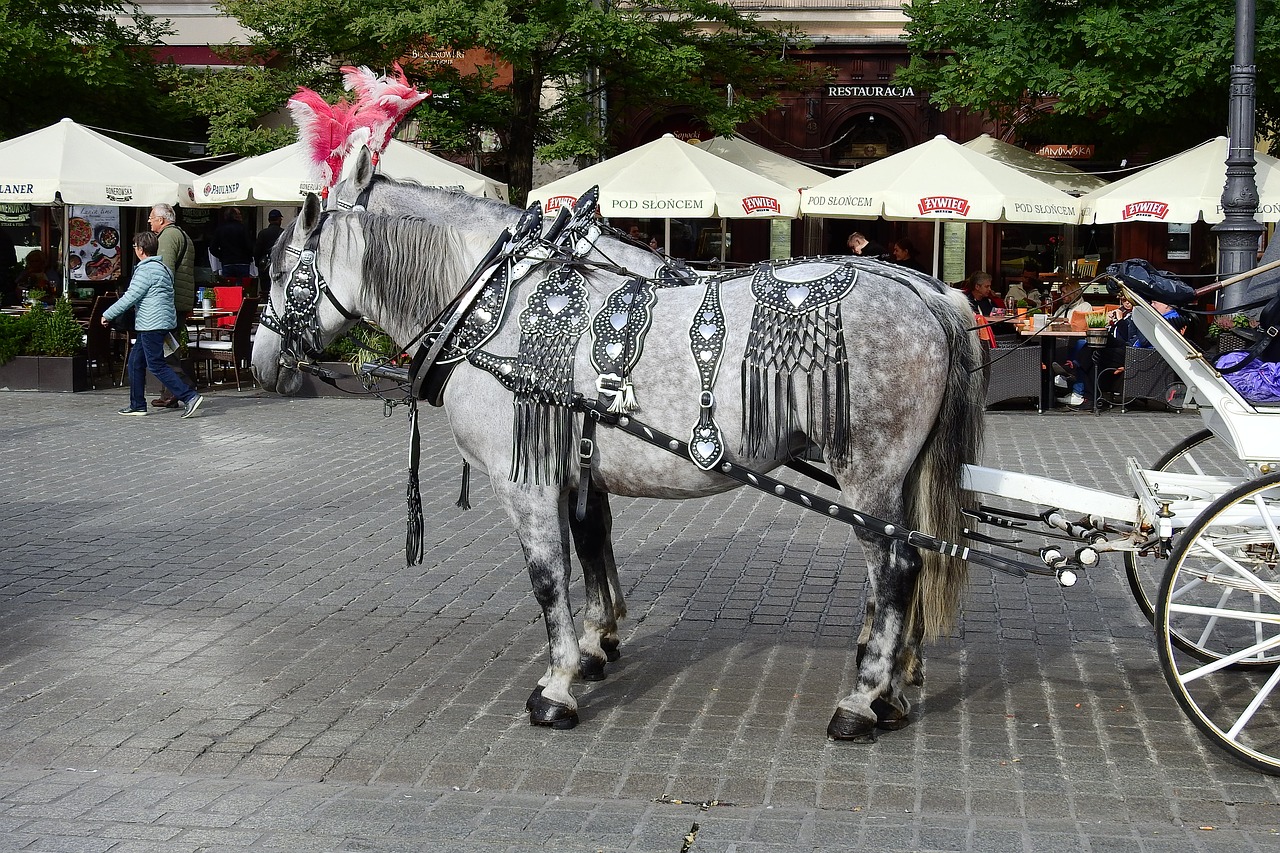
(1199, 453)
(1222, 588)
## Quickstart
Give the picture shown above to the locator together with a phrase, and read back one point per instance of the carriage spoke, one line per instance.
(1224, 662)
(1247, 714)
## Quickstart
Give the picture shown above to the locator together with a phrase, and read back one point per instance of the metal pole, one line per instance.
(1239, 231)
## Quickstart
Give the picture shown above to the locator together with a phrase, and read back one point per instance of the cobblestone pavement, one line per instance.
(209, 641)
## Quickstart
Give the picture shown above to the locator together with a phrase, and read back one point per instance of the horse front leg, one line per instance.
(593, 539)
(541, 522)
(878, 699)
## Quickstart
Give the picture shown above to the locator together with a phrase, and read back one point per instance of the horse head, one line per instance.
(306, 309)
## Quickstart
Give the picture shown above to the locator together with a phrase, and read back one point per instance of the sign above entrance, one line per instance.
(870, 92)
(1066, 152)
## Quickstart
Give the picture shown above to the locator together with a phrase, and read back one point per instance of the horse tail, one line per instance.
(934, 493)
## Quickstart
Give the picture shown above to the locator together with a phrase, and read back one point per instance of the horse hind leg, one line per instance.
(592, 538)
(538, 515)
(878, 699)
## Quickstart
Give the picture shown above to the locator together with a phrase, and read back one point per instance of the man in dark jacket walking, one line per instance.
(267, 238)
(178, 253)
(232, 246)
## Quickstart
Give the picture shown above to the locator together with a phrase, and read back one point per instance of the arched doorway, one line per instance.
(865, 138)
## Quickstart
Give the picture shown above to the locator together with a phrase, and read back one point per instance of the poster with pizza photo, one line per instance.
(93, 241)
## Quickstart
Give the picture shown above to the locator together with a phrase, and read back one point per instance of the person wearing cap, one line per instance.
(262, 246)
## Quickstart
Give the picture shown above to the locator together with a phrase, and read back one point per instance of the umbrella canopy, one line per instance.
(1058, 175)
(1184, 189)
(284, 176)
(939, 180)
(670, 179)
(69, 162)
(762, 161)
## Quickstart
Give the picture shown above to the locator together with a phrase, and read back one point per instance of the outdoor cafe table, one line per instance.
(1048, 338)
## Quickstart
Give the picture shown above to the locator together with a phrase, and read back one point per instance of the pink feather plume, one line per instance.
(325, 129)
(381, 101)
(333, 131)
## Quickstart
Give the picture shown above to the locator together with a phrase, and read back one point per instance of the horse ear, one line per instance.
(310, 216)
(363, 173)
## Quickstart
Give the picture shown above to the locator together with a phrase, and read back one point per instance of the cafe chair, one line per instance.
(234, 347)
(1145, 375)
(100, 342)
(1012, 372)
(228, 299)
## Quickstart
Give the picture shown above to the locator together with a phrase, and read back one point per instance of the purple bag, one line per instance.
(1257, 382)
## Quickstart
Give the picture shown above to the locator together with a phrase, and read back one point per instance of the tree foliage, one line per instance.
(655, 57)
(89, 60)
(1147, 75)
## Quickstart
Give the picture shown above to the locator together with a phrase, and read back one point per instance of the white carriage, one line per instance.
(1200, 537)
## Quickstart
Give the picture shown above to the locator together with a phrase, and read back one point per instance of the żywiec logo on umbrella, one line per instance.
(944, 204)
(558, 201)
(1145, 209)
(761, 203)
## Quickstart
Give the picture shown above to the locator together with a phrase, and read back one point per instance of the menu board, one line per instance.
(93, 240)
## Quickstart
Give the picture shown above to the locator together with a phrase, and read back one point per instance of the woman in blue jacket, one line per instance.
(151, 294)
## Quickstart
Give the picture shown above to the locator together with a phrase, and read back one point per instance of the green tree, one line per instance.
(654, 57)
(1147, 75)
(89, 60)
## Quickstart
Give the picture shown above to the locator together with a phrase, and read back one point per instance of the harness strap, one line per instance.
(809, 500)
(586, 451)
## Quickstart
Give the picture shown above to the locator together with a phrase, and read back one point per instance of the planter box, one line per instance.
(70, 373)
(313, 387)
(20, 373)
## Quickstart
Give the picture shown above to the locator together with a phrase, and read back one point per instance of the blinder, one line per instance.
(299, 324)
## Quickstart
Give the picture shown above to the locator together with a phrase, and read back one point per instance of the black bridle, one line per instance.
(299, 324)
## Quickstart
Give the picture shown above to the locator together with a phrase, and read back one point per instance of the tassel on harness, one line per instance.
(464, 496)
(414, 535)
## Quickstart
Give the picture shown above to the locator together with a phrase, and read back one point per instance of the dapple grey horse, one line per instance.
(909, 418)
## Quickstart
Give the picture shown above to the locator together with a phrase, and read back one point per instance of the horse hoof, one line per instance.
(889, 718)
(611, 652)
(533, 699)
(845, 725)
(548, 712)
(591, 668)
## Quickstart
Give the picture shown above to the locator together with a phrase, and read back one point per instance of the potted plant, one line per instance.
(1221, 331)
(1095, 329)
(18, 371)
(58, 340)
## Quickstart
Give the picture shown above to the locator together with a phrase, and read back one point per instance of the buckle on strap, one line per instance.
(586, 451)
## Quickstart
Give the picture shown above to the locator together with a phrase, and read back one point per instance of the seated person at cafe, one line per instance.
(1124, 334)
(1027, 288)
(981, 298)
(34, 277)
(1071, 305)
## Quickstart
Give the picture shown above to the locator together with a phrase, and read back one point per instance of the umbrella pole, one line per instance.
(937, 245)
(724, 249)
(666, 236)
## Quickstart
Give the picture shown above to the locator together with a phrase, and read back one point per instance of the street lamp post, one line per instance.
(1239, 231)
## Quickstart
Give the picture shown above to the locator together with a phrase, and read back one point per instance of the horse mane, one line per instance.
(409, 266)
(403, 256)
(498, 211)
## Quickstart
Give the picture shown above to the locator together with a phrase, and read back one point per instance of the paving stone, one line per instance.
(238, 657)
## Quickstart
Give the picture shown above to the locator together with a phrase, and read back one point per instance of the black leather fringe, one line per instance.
(464, 496)
(788, 356)
(414, 534)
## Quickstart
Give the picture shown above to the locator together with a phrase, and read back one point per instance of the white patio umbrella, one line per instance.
(1184, 188)
(69, 163)
(1056, 174)
(284, 176)
(669, 179)
(770, 164)
(940, 180)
